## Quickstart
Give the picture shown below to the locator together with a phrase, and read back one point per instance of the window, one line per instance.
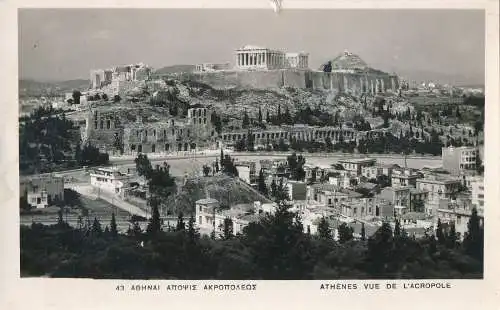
(355, 210)
(200, 220)
(132, 147)
(153, 148)
(201, 208)
(167, 147)
(95, 124)
(102, 124)
(139, 148)
(154, 132)
(108, 124)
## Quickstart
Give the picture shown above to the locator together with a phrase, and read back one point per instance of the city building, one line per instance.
(110, 180)
(355, 165)
(477, 193)
(457, 213)
(404, 177)
(375, 171)
(42, 190)
(252, 57)
(459, 159)
(297, 190)
(246, 171)
(404, 196)
(367, 207)
(438, 187)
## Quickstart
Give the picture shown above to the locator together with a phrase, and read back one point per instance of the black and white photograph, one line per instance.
(252, 144)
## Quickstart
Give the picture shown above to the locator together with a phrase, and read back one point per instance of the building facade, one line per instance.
(109, 180)
(252, 57)
(287, 133)
(457, 160)
(42, 190)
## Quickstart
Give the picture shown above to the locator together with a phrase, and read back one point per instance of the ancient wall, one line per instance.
(353, 82)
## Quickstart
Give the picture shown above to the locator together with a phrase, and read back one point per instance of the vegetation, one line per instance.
(274, 248)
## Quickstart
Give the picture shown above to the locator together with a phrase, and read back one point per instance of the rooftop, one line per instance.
(206, 201)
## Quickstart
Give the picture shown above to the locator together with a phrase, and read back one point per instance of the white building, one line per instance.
(109, 180)
(477, 193)
(42, 189)
(459, 159)
(251, 57)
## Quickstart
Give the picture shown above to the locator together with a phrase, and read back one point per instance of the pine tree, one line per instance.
(136, 230)
(363, 232)
(324, 230)
(268, 118)
(181, 226)
(261, 183)
(452, 237)
(96, 227)
(345, 233)
(246, 120)
(439, 233)
(113, 230)
(221, 158)
(474, 238)
(193, 233)
(154, 225)
(278, 117)
(397, 229)
(228, 229)
(260, 115)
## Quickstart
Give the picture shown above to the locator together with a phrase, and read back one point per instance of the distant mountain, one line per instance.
(175, 69)
(442, 78)
(28, 87)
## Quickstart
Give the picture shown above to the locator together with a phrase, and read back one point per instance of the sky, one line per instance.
(64, 44)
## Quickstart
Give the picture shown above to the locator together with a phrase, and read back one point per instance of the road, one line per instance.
(180, 164)
(88, 191)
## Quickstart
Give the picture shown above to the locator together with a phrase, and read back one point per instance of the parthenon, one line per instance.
(254, 57)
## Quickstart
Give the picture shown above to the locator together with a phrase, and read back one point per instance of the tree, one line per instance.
(113, 229)
(206, 170)
(418, 205)
(76, 96)
(268, 118)
(260, 116)
(324, 230)
(96, 227)
(154, 225)
(440, 233)
(143, 165)
(296, 165)
(227, 232)
(363, 232)
(246, 120)
(281, 192)
(452, 237)
(397, 229)
(181, 226)
(221, 156)
(345, 233)
(474, 237)
(193, 233)
(261, 183)
(380, 249)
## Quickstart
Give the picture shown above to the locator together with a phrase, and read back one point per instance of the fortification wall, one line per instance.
(273, 79)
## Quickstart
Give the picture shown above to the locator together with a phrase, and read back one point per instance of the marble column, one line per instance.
(372, 88)
(393, 84)
(382, 86)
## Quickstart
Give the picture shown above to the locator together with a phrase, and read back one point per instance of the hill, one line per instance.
(228, 191)
(175, 69)
(29, 87)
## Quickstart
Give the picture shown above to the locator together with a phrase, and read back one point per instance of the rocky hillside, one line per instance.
(228, 191)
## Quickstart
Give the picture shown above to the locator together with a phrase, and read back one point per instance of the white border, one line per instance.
(18, 293)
